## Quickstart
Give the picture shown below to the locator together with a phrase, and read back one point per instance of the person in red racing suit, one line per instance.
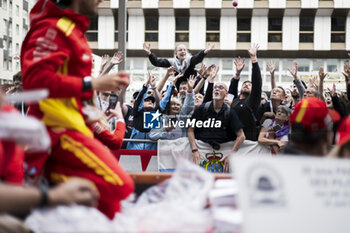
(55, 55)
(11, 155)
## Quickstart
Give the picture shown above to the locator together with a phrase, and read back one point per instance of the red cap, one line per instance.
(343, 134)
(313, 114)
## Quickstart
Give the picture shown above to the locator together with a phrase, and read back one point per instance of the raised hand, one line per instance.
(253, 50)
(313, 81)
(152, 80)
(170, 71)
(190, 82)
(111, 82)
(177, 77)
(201, 71)
(239, 63)
(104, 60)
(147, 48)
(333, 91)
(117, 58)
(117, 112)
(271, 65)
(346, 72)
(213, 73)
(294, 70)
(322, 74)
(209, 48)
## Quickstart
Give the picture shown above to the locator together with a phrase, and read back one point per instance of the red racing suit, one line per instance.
(55, 55)
(11, 157)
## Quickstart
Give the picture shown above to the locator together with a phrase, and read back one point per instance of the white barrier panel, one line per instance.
(169, 151)
(293, 194)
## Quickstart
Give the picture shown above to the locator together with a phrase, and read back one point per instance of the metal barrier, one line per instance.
(139, 140)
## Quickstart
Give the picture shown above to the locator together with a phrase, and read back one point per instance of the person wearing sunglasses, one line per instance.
(230, 130)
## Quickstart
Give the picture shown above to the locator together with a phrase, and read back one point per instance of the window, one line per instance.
(25, 30)
(151, 32)
(227, 64)
(332, 65)
(25, 13)
(303, 65)
(10, 8)
(138, 64)
(5, 64)
(17, 48)
(213, 29)
(182, 29)
(275, 30)
(338, 30)
(17, 10)
(306, 30)
(5, 25)
(243, 29)
(17, 29)
(317, 63)
(91, 34)
(10, 28)
(10, 49)
(4, 5)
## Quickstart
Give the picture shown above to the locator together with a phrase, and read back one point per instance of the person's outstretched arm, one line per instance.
(209, 93)
(198, 58)
(233, 89)
(346, 74)
(18, 200)
(322, 76)
(297, 81)
(255, 95)
(43, 72)
(272, 68)
(161, 83)
(159, 62)
(115, 60)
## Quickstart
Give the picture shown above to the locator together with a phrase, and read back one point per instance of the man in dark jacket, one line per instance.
(247, 102)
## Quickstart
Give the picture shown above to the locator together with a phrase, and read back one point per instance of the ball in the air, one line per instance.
(234, 3)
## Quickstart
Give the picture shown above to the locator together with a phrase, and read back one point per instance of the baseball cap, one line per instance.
(313, 114)
(151, 98)
(343, 134)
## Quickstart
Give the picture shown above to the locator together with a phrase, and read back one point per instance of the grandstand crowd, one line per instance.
(87, 117)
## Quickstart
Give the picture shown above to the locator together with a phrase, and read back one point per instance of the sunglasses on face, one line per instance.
(220, 87)
(106, 94)
(18, 83)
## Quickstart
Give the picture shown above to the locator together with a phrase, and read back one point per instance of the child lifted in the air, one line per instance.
(182, 61)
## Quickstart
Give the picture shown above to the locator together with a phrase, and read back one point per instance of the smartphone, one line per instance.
(113, 99)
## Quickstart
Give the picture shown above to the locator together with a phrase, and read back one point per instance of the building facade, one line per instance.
(14, 25)
(313, 32)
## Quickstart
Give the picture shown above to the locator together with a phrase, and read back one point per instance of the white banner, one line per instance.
(293, 194)
(169, 151)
